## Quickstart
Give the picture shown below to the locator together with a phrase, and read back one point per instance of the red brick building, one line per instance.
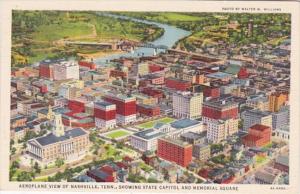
(100, 176)
(153, 92)
(243, 74)
(211, 91)
(125, 107)
(76, 105)
(157, 80)
(258, 136)
(46, 71)
(219, 110)
(118, 73)
(148, 110)
(87, 64)
(86, 123)
(155, 68)
(174, 151)
(178, 84)
(105, 114)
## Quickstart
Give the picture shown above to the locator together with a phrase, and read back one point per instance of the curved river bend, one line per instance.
(169, 38)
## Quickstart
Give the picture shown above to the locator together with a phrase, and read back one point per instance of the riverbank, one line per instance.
(99, 54)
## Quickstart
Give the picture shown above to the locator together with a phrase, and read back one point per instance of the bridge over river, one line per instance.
(117, 45)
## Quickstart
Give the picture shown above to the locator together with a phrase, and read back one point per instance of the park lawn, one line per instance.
(145, 167)
(110, 152)
(260, 159)
(269, 145)
(41, 179)
(39, 56)
(58, 31)
(151, 124)
(117, 134)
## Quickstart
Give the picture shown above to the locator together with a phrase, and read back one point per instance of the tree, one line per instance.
(24, 145)
(37, 168)
(24, 176)
(29, 135)
(11, 143)
(59, 162)
(15, 164)
(13, 150)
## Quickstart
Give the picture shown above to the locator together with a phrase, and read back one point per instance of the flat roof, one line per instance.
(193, 135)
(149, 134)
(258, 112)
(176, 141)
(219, 103)
(219, 75)
(184, 123)
(104, 103)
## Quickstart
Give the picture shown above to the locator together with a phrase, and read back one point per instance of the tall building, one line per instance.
(141, 69)
(105, 114)
(281, 118)
(252, 117)
(187, 105)
(218, 130)
(175, 150)
(277, 100)
(66, 70)
(70, 145)
(71, 89)
(125, 108)
(258, 102)
(216, 109)
(46, 70)
(201, 152)
(258, 136)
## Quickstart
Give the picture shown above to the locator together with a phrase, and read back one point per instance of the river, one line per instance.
(169, 38)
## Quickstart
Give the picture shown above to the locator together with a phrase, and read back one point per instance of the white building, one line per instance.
(183, 126)
(146, 140)
(218, 130)
(282, 133)
(187, 105)
(252, 117)
(66, 70)
(281, 118)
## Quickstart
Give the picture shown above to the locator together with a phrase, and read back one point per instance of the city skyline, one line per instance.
(150, 97)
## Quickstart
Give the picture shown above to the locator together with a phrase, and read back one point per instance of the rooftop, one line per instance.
(149, 134)
(257, 112)
(99, 173)
(51, 138)
(193, 135)
(283, 159)
(260, 127)
(184, 123)
(265, 176)
(103, 103)
(220, 103)
(233, 69)
(177, 142)
(219, 75)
